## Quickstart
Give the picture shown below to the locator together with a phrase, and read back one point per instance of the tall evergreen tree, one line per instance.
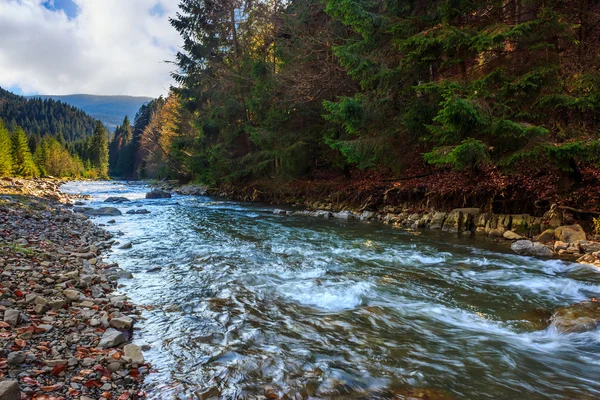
(99, 150)
(23, 160)
(6, 161)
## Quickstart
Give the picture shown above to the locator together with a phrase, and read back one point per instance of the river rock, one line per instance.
(580, 317)
(103, 211)
(9, 390)
(437, 220)
(569, 233)
(111, 338)
(116, 200)
(343, 215)
(134, 352)
(546, 236)
(140, 211)
(158, 194)
(72, 294)
(460, 220)
(529, 248)
(12, 317)
(191, 190)
(121, 323)
(510, 235)
(15, 358)
(589, 247)
(126, 245)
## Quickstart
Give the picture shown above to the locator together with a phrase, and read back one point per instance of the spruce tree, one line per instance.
(23, 160)
(99, 150)
(5, 151)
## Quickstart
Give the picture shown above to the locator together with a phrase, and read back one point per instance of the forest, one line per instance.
(459, 100)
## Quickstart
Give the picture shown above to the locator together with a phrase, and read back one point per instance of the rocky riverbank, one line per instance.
(64, 331)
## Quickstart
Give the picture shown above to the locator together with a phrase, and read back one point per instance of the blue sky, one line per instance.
(87, 46)
(68, 6)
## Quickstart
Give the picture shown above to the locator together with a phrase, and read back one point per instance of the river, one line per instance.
(242, 303)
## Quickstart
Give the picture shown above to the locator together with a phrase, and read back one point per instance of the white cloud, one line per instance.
(109, 47)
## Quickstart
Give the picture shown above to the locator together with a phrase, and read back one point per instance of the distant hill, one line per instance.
(111, 110)
(41, 117)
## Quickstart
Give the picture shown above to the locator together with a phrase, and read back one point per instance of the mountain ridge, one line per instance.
(110, 109)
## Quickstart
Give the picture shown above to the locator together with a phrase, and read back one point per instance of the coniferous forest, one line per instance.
(50, 138)
(450, 99)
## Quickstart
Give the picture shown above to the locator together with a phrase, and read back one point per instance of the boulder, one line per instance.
(460, 219)
(192, 190)
(437, 220)
(529, 248)
(9, 390)
(343, 215)
(158, 194)
(125, 246)
(111, 338)
(580, 317)
(521, 224)
(569, 233)
(546, 236)
(140, 211)
(510, 235)
(116, 200)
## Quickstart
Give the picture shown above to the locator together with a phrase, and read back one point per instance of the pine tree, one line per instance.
(99, 150)
(5, 151)
(23, 160)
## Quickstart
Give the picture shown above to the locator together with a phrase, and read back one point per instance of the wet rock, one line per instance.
(343, 215)
(158, 194)
(9, 390)
(460, 220)
(140, 211)
(134, 352)
(529, 248)
(510, 235)
(103, 211)
(111, 338)
(126, 245)
(569, 233)
(580, 317)
(116, 199)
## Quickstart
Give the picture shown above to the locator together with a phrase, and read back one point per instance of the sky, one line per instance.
(107, 47)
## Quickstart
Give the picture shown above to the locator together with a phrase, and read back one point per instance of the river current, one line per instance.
(240, 303)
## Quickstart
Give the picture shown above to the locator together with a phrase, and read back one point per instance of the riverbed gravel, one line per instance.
(65, 331)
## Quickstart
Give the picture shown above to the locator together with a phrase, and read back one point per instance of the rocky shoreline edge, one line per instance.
(64, 330)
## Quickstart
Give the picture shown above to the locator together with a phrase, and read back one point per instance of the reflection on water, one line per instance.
(246, 304)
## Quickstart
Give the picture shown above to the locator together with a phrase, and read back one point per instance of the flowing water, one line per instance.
(244, 303)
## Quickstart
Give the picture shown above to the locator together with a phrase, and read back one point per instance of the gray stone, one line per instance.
(158, 194)
(134, 352)
(12, 317)
(529, 248)
(569, 233)
(72, 294)
(111, 338)
(9, 390)
(437, 220)
(116, 199)
(103, 211)
(126, 245)
(121, 323)
(16, 358)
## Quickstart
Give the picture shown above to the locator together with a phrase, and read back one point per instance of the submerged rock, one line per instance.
(580, 317)
(98, 212)
(140, 211)
(116, 200)
(529, 248)
(158, 194)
